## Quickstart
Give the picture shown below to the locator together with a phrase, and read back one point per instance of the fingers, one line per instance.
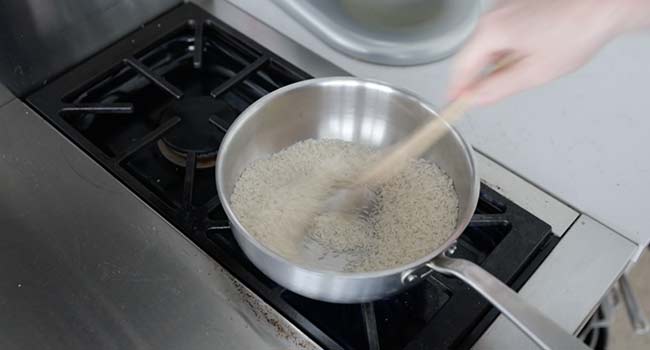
(467, 67)
(541, 36)
(503, 83)
(482, 50)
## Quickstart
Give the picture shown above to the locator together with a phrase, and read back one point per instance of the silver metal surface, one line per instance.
(40, 39)
(5, 95)
(569, 285)
(557, 214)
(85, 264)
(349, 109)
(635, 311)
(404, 32)
(543, 331)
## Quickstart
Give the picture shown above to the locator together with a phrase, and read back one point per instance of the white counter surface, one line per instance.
(584, 138)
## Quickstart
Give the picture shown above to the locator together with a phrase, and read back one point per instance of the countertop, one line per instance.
(582, 138)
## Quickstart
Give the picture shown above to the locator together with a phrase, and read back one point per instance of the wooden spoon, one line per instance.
(357, 197)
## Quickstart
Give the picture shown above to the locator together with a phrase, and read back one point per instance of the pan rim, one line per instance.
(251, 111)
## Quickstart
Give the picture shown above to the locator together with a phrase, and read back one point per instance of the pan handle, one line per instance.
(543, 331)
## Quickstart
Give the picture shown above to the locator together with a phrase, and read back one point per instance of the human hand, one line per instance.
(546, 39)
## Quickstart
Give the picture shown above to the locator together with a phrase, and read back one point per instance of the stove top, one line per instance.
(153, 108)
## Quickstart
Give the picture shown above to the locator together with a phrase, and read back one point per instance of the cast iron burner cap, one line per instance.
(194, 133)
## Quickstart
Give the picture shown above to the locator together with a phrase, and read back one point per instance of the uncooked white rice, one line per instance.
(277, 198)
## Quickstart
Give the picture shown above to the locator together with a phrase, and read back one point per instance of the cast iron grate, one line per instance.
(152, 109)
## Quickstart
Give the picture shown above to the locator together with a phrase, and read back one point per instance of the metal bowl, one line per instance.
(363, 111)
(391, 32)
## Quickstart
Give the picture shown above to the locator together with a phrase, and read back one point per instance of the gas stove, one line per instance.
(152, 110)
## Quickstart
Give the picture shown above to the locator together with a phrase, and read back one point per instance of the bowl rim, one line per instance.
(250, 112)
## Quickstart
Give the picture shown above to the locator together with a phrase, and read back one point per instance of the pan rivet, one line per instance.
(411, 278)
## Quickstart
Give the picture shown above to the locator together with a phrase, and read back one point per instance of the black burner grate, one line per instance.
(152, 109)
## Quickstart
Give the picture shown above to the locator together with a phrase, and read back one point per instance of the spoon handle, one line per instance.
(425, 136)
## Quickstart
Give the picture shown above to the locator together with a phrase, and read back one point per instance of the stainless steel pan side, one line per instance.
(350, 109)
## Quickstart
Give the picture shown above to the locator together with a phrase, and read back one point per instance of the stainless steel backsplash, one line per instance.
(42, 38)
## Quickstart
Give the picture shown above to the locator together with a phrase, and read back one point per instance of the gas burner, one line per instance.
(196, 132)
(203, 161)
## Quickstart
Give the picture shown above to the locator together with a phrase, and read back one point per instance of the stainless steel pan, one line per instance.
(375, 114)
